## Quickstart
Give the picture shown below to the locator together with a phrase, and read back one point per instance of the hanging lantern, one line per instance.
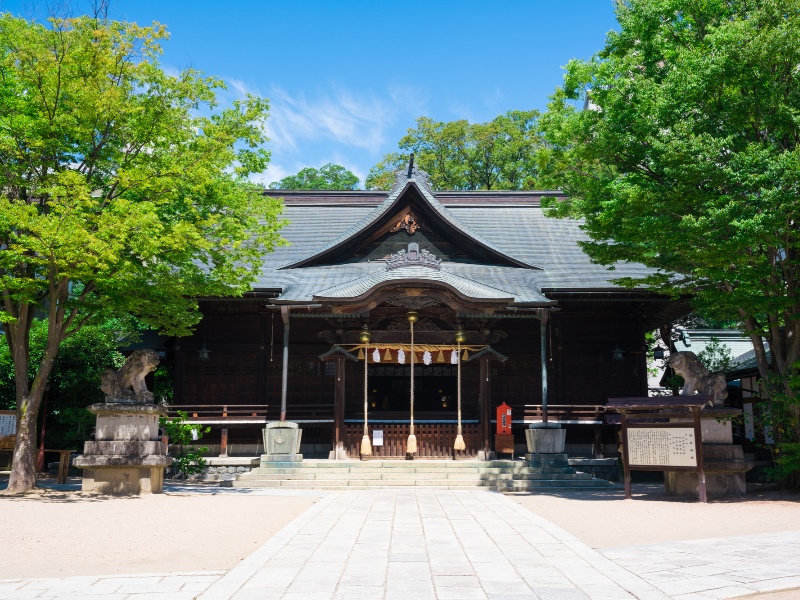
(618, 355)
(426, 357)
(440, 357)
(401, 356)
(387, 356)
(376, 356)
(658, 353)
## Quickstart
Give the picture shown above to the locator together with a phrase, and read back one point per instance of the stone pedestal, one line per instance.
(127, 455)
(723, 462)
(281, 442)
(545, 438)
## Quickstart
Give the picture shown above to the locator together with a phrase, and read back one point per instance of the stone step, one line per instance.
(366, 476)
(334, 485)
(503, 486)
(411, 470)
(542, 472)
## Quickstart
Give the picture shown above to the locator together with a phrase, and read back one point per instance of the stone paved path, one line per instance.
(426, 544)
(177, 586)
(419, 544)
(717, 568)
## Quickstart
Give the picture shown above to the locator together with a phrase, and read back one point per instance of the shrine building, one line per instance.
(470, 299)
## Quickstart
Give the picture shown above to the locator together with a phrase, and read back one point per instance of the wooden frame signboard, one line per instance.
(661, 434)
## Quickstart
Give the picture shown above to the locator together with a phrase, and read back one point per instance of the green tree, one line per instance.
(74, 381)
(686, 159)
(458, 155)
(327, 177)
(121, 193)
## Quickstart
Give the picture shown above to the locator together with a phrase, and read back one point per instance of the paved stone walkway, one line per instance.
(440, 544)
(426, 544)
(717, 568)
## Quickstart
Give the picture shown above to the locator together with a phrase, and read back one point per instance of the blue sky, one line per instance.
(347, 79)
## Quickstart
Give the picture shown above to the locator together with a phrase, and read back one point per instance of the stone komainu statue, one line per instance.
(127, 384)
(698, 379)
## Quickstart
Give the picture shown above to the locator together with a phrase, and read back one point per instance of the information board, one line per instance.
(8, 423)
(671, 447)
(377, 437)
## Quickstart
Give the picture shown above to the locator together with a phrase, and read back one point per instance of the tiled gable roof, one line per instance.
(511, 223)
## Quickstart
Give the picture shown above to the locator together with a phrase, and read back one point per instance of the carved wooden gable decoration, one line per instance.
(410, 213)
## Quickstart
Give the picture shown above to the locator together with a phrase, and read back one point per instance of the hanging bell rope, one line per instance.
(459, 443)
(411, 444)
(366, 446)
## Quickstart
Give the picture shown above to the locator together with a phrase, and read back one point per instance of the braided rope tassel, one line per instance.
(411, 444)
(459, 444)
(366, 446)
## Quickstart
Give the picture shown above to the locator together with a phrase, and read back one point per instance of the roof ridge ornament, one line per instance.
(403, 176)
(413, 257)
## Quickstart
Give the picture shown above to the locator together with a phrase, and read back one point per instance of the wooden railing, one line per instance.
(246, 414)
(572, 414)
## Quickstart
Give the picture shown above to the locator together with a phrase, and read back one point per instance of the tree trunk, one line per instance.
(23, 468)
(29, 397)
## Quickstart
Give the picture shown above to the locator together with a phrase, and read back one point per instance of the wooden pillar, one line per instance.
(486, 408)
(338, 411)
(285, 370)
(543, 317)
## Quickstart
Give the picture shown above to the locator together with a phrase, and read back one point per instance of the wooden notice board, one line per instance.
(661, 434)
(8, 423)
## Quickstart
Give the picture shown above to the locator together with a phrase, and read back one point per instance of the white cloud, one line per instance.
(274, 172)
(339, 116)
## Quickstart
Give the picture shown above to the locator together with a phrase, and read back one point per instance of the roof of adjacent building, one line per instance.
(517, 252)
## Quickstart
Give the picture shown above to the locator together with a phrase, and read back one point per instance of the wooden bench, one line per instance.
(63, 464)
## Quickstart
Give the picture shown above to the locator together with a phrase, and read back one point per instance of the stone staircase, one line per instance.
(545, 472)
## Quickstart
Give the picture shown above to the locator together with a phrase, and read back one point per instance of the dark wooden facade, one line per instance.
(594, 335)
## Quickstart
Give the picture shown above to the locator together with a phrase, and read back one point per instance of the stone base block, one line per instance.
(270, 459)
(124, 481)
(282, 438)
(126, 422)
(545, 440)
(725, 469)
(124, 448)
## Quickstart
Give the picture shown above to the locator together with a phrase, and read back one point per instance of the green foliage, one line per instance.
(787, 465)
(123, 191)
(327, 177)
(715, 356)
(188, 461)
(163, 384)
(458, 155)
(686, 159)
(75, 380)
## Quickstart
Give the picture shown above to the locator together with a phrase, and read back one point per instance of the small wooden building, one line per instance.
(539, 319)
